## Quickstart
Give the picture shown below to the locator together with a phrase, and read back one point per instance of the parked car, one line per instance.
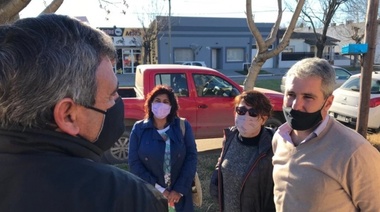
(346, 102)
(194, 63)
(341, 76)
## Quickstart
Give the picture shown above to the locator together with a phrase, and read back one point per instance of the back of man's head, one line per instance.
(43, 60)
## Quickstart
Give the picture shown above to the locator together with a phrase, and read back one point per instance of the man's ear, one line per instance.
(65, 114)
(329, 102)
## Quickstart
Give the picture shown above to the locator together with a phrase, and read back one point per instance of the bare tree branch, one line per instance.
(52, 7)
(252, 26)
(262, 46)
(273, 35)
(288, 33)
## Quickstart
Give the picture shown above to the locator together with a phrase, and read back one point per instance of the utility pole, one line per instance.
(170, 33)
(367, 67)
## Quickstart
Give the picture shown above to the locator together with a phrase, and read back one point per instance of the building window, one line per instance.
(235, 54)
(254, 46)
(183, 54)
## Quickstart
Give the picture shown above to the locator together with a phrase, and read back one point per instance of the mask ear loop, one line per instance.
(101, 127)
(96, 109)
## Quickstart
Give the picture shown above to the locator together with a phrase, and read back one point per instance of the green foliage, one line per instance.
(272, 84)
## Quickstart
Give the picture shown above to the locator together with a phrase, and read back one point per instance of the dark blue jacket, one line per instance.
(146, 158)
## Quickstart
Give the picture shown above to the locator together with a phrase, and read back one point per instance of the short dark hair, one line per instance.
(158, 90)
(256, 100)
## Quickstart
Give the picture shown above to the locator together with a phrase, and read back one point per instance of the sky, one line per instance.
(264, 11)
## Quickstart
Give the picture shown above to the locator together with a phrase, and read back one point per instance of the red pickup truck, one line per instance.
(205, 96)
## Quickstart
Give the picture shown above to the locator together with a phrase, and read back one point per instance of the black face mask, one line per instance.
(302, 120)
(113, 125)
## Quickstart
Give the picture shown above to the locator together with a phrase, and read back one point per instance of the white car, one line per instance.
(194, 63)
(345, 107)
(341, 75)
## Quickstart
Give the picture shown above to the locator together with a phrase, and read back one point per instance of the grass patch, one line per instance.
(272, 84)
(374, 139)
(205, 167)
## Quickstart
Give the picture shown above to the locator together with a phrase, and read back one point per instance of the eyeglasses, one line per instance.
(243, 110)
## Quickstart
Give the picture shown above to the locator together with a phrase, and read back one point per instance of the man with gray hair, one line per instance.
(59, 111)
(320, 164)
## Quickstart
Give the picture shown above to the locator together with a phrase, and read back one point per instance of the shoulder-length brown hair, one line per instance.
(158, 90)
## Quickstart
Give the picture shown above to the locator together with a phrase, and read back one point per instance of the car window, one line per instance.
(341, 74)
(197, 64)
(353, 84)
(177, 82)
(375, 87)
(209, 85)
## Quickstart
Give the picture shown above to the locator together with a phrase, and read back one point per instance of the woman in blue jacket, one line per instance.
(161, 153)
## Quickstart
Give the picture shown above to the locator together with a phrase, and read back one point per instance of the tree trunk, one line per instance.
(320, 47)
(253, 72)
(146, 53)
(367, 67)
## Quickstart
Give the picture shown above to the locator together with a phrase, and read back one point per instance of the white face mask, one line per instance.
(160, 110)
(248, 126)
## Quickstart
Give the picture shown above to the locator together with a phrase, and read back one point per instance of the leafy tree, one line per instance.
(263, 53)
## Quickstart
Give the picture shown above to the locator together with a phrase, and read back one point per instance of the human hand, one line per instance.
(174, 197)
(166, 194)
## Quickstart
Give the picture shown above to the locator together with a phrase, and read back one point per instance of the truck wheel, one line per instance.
(273, 123)
(118, 153)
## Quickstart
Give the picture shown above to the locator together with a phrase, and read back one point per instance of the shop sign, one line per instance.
(127, 41)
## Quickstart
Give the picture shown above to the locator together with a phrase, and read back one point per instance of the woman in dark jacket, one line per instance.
(162, 153)
(243, 179)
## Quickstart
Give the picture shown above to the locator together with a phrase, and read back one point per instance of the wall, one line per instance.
(210, 34)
